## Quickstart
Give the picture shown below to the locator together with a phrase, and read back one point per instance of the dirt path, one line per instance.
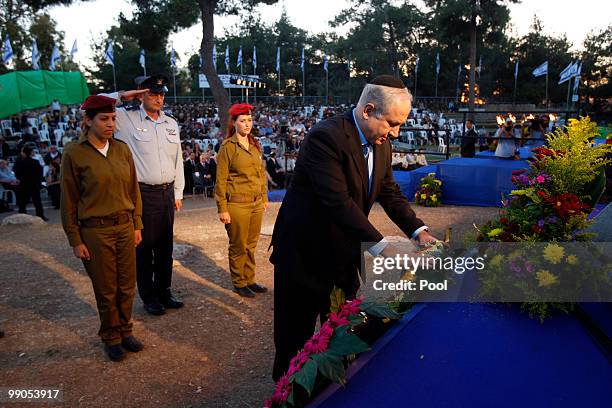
(215, 352)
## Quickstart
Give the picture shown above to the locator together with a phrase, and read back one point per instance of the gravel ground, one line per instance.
(215, 352)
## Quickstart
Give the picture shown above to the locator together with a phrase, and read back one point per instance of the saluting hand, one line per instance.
(129, 95)
(137, 237)
(81, 252)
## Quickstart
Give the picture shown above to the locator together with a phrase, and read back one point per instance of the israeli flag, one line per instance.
(200, 59)
(325, 62)
(416, 66)
(254, 57)
(239, 61)
(35, 55)
(7, 53)
(437, 63)
(541, 70)
(577, 80)
(302, 60)
(74, 49)
(278, 59)
(479, 68)
(227, 62)
(214, 56)
(172, 58)
(110, 57)
(55, 58)
(568, 72)
(142, 60)
(516, 70)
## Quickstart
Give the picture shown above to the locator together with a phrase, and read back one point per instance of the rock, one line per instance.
(181, 251)
(21, 219)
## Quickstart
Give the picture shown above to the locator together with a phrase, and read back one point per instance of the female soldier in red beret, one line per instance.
(101, 215)
(241, 195)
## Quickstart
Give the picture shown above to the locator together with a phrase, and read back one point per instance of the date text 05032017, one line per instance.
(32, 394)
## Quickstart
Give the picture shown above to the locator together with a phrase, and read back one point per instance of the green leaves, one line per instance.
(379, 310)
(307, 375)
(330, 365)
(345, 343)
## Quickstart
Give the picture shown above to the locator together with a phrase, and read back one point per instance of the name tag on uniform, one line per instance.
(171, 132)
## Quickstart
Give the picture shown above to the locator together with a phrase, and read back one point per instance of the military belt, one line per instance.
(110, 221)
(243, 198)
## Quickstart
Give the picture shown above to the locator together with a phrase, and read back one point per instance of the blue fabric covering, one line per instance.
(409, 181)
(525, 153)
(276, 196)
(471, 181)
(478, 355)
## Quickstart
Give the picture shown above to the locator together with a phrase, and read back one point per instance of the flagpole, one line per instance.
(241, 74)
(327, 85)
(114, 77)
(303, 85)
(416, 77)
(547, 88)
(514, 92)
(437, 84)
(174, 80)
(255, 88)
(569, 82)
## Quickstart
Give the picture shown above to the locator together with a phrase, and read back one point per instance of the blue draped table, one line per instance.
(477, 355)
(524, 152)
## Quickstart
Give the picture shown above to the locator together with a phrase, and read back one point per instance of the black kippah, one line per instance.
(388, 80)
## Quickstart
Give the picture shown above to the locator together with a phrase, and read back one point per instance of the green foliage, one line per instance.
(337, 299)
(429, 193)
(307, 376)
(345, 343)
(380, 310)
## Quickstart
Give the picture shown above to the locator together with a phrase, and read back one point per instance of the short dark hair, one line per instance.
(470, 120)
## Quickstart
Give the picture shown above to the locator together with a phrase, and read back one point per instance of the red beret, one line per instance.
(99, 103)
(240, 109)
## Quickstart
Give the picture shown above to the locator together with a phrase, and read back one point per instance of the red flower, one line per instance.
(350, 308)
(567, 205)
(297, 362)
(336, 321)
(503, 220)
(319, 342)
(282, 391)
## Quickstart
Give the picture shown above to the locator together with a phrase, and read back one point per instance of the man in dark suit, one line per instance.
(275, 170)
(344, 166)
(189, 168)
(29, 172)
(206, 169)
(468, 141)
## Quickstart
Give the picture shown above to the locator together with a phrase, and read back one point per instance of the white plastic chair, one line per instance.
(63, 126)
(441, 145)
(44, 135)
(7, 126)
(58, 134)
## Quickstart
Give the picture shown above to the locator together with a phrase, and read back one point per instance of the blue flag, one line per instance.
(302, 60)
(172, 58)
(35, 55)
(437, 63)
(239, 61)
(109, 55)
(325, 63)
(227, 62)
(214, 57)
(254, 57)
(278, 59)
(7, 52)
(74, 49)
(55, 58)
(141, 60)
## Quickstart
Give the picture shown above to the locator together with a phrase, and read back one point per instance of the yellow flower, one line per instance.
(553, 253)
(495, 232)
(438, 182)
(545, 278)
(571, 259)
(434, 198)
(518, 192)
(496, 261)
(423, 196)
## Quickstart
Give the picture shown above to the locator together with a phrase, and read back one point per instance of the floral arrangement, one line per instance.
(551, 200)
(326, 354)
(429, 192)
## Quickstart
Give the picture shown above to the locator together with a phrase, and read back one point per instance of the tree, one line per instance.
(597, 67)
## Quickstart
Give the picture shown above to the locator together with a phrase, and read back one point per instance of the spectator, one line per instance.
(274, 170)
(29, 172)
(468, 141)
(506, 144)
(53, 183)
(4, 148)
(189, 168)
(52, 155)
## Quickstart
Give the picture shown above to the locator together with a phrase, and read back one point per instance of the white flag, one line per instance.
(142, 60)
(35, 55)
(7, 52)
(227, 63)
(239, 61)
(541, 70)
(416, 66)
(568, 72)
(302, 60)
(55, 58)
(325, 62)
(254, 57)
(437, 63)
(74, 49)
(172, 58)
(110, 57)
(479, 68)
(516, 70)
(278, 59)
(214, 57)
(200, 60)
(577, 80)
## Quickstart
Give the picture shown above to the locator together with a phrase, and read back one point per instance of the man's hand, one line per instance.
(425, 238)
(225, 218)
(137, 237)
(81, 252)
(129, 95)
(178, 204)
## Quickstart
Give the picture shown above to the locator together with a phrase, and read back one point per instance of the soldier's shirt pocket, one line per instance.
(142, 136)
(173, 136)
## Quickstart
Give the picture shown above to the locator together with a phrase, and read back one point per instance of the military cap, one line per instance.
(240, 109)
(156, 83)
(98, 103)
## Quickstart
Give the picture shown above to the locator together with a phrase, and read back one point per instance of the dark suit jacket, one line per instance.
(29, 172)
(324, 215)
(468, 143)
(209, 168)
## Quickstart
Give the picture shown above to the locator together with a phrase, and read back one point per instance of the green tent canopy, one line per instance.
(23, 90)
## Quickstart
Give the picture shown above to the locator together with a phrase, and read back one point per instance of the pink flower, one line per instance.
(541, 179)
(319, 342)
(350, 308)
(282, 391)
(268, 403)
(297, 362)
(336, 321)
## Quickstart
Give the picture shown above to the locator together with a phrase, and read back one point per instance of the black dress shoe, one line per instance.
(170, 302)
(132, 344)
(114, 352)
(257, 288)
(155, 308)
(45, 219)
(244, 292)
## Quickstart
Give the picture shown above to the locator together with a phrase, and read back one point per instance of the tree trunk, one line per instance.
(472, 95)
(207, 7)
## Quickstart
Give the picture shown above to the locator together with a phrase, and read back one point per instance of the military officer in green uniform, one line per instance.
(241, 196)
(101, 213)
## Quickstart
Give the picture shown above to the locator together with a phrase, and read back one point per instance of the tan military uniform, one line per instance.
(101, 208)
(241, 190)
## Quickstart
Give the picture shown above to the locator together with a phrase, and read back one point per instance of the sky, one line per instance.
(86, 20)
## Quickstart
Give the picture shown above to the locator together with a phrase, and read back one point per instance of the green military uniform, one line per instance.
(241, 190)
(101, 208)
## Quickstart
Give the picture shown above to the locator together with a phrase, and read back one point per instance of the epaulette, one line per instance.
(226, 141)
(170, 116)
(130, 108)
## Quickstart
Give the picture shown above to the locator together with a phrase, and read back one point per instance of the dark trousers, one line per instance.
(23, 198)
(154, 254)
(55, 193)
